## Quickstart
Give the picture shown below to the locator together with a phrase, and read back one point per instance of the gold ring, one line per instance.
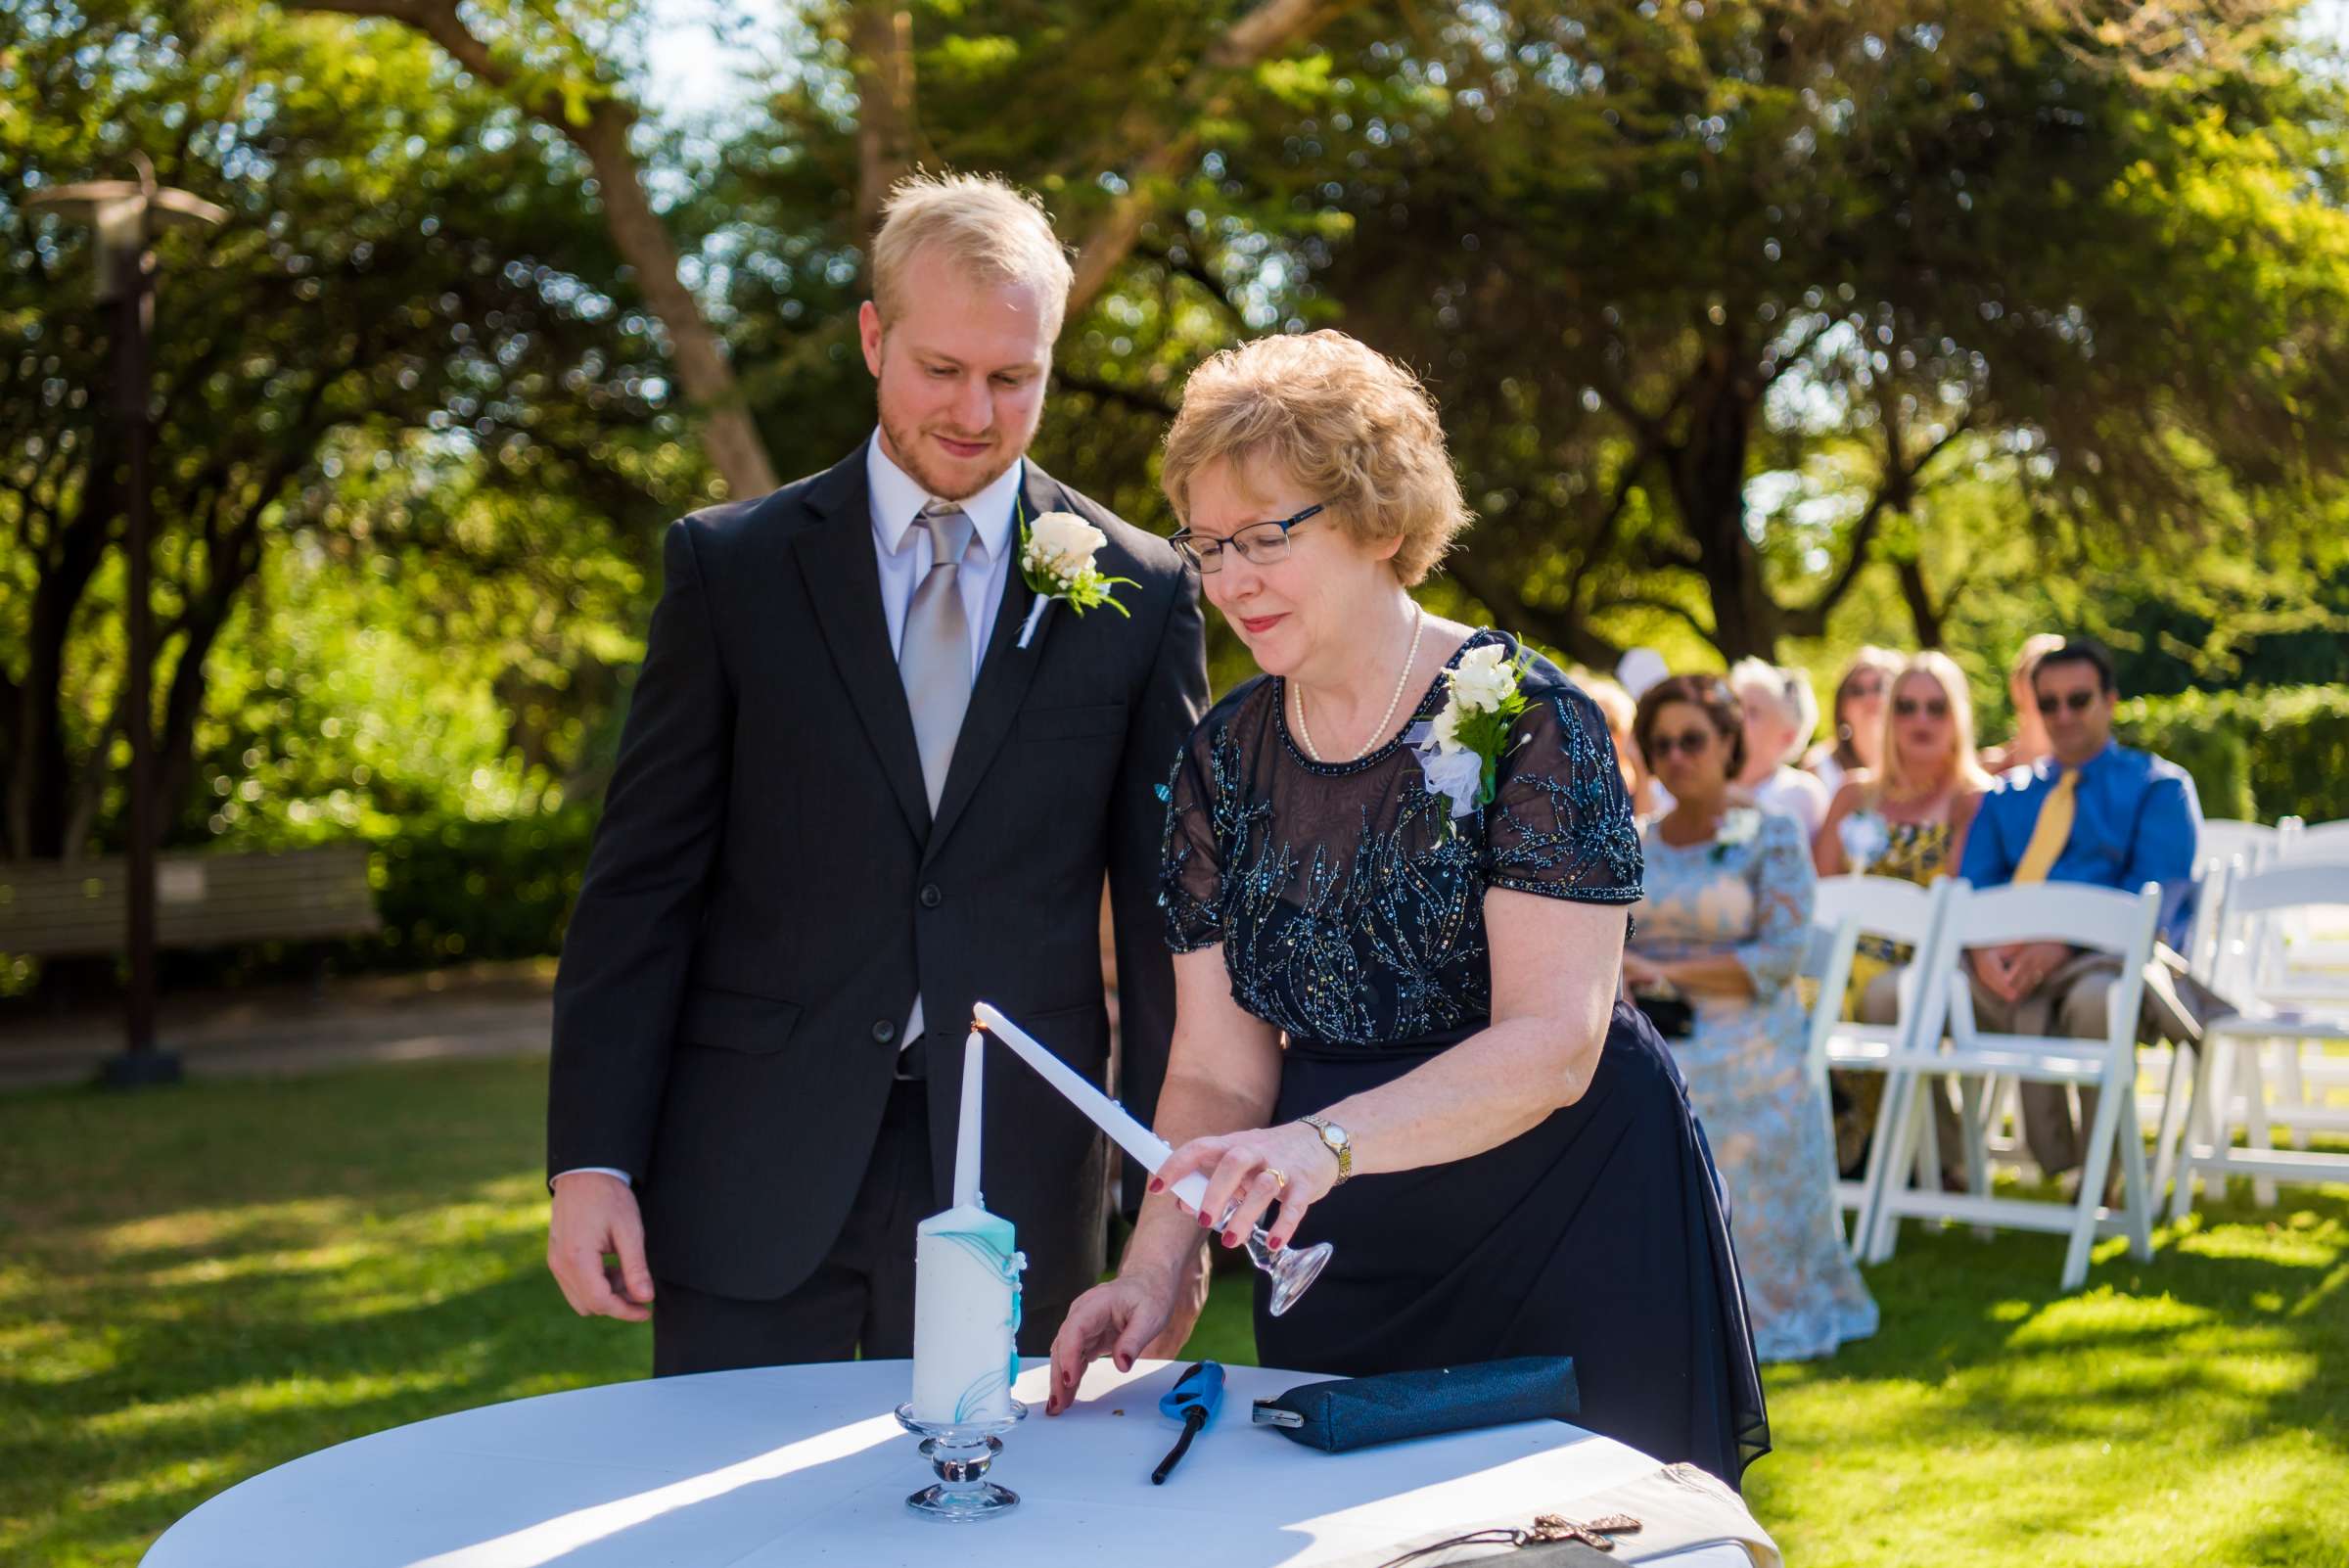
(1280, 1178)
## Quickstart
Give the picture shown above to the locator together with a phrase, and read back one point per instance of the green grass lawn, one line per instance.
(199, 1284)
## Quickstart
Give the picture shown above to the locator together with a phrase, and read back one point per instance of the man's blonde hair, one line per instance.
(1341, 420)
(990, 228)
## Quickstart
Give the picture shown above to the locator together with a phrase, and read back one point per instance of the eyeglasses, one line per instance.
(1863, 689)
(1689, 741)
(2077, 702)
(1259, 544)
(1909, 707)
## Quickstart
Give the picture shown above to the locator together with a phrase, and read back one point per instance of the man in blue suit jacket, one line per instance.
(2134, 820)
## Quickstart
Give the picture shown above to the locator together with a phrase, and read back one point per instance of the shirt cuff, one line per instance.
(599, 1170)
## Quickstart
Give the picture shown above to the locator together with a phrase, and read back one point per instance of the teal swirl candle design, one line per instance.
(966, 1315)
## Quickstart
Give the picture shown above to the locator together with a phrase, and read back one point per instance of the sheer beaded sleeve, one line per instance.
(1560, 824)
(1190, 874)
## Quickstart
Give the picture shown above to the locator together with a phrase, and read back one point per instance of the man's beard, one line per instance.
(914, 458)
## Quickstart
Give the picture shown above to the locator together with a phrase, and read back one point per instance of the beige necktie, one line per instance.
(935, 657)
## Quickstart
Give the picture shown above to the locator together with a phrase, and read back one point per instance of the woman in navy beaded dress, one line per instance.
(1399, 1027)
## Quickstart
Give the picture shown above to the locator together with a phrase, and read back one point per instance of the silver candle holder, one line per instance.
(962, 1452)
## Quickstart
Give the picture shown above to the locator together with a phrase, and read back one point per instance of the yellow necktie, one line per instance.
(2052, 831)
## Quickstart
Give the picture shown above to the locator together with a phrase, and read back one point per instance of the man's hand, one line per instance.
(2035, 961)
(594, 1214)
(2014, 971)
(1994, 968)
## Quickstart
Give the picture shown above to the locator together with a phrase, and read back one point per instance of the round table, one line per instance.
(805, 1464)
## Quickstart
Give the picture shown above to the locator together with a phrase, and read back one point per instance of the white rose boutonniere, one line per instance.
(1459, 749)
(1864, 839)
(1056, 561)
(1738, 825)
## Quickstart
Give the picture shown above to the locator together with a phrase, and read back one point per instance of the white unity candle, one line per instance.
(966, 1287)
(966, 1309)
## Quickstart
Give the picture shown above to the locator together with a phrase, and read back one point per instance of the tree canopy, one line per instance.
(1758, 328)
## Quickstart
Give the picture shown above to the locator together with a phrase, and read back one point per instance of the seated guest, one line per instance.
(1779, 715)
(1647, 798)
(1857, 718)
(1720, 935)
(2030, 742)
(1908, 821)
(2091, 811)
(1397, 1026)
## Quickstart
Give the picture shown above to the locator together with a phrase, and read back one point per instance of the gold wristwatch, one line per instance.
(1337, 1140)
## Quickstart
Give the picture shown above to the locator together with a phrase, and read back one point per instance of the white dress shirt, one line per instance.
(903, 552)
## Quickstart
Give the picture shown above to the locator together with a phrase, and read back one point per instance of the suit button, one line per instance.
(930, 896)
(883, 1030)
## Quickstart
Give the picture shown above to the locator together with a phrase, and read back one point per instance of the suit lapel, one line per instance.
(844, 584)
(1003, 675)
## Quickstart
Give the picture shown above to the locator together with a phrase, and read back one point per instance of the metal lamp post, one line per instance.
(127, 214)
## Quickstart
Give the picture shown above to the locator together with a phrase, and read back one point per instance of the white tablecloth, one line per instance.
(805, 1464)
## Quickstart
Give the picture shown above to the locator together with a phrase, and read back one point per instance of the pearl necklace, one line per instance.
(1403, 675)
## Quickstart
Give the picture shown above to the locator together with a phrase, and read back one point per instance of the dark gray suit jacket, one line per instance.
(766, 882)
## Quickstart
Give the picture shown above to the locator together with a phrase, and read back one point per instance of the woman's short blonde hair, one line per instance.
(991, 229)
(1339, 418)
(1964, 768)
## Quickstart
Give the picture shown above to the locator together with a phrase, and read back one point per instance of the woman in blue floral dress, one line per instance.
(1398, 1018)
(1720, 932)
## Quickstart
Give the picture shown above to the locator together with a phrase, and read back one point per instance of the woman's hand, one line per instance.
(1118, 1318)
(1247, 1171)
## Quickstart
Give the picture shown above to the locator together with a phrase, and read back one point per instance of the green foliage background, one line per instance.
(1756, 327)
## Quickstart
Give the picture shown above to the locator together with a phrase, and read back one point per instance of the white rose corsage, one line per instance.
(1865, 838)
(1459, 749)
(1738, 825)
(1056, 560)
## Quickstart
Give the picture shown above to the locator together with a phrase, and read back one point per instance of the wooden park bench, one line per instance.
(54, 909)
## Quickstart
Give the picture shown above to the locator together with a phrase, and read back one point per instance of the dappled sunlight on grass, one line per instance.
(204, 1284)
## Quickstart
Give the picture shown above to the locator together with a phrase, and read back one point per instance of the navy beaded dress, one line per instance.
(1353, 923)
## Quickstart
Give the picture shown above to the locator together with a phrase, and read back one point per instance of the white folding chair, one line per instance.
(2165, 1067)
(2081, 916)
(1899, 911)
(2225, 840)
(2311, 841)
(2231, 1057)
(1827, 962)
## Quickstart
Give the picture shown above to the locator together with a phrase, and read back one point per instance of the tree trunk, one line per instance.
(729, 433)
(1922, 611)
(1164, 153)
(40, 782)
(881, 37)
(1708, 487)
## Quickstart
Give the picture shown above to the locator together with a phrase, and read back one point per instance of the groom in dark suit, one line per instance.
(848, 804)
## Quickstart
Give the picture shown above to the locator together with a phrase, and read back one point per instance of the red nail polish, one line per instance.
(1156, 1186)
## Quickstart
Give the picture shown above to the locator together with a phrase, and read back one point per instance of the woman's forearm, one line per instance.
(1163, 1237)
(1710, 974)
(1473, 1097)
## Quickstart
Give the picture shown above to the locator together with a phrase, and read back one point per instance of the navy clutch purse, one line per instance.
(1358, 1412)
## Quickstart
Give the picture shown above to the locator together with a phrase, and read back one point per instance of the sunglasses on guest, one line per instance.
(1910, 707)
(2077, 702)
(1690, 741)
